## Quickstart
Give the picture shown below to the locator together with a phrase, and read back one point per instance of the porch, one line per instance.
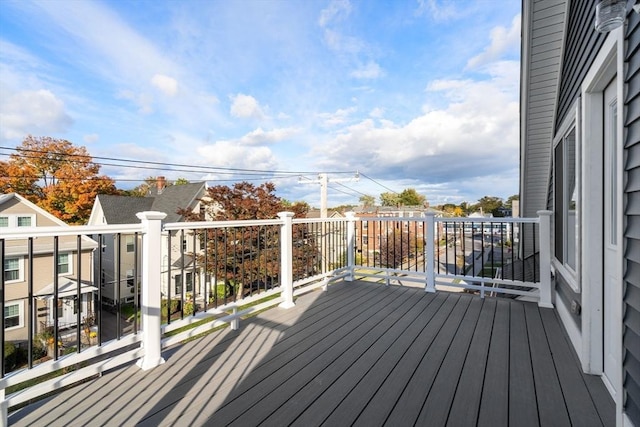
(358, 353)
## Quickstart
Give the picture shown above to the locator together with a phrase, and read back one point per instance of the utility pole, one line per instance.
(323, 180)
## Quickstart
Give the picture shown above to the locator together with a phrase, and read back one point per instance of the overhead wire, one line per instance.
(245, 174)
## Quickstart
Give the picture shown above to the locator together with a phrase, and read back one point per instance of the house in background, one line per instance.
(169, 199)
(580, 158)
(16, 211)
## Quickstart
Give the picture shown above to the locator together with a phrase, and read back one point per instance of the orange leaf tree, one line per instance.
(57, 176)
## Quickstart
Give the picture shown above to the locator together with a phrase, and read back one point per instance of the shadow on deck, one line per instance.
(358, 354)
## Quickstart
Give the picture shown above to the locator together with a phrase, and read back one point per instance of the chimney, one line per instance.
(160, 183)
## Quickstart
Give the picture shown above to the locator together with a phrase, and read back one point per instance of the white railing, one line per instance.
(336, 248)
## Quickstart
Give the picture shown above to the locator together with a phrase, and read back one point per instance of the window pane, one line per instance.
(63, 263)
(11, 269)
(24, 221)
(558, 201)
(11, 316)
(4, 221)
(572, 198)
(130, 245)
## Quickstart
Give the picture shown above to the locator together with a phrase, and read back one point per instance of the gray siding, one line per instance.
(542, 49)
(631, 356)
(582, 44)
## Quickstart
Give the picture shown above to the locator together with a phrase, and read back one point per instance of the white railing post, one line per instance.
(429, 256)
(151, 296)
(351, 244)
(546, 290)
(286, 259)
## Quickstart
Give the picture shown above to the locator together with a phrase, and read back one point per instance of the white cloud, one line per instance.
(91, 138)
(259, 136)
(502, 40)
(371, 70)
(376, 113)
(437, 10)
(477, 134)
(143, 101)
(337, 10)
(338, 117)
(230, 154)
(27, 112)
(166, 84)
(245, 107)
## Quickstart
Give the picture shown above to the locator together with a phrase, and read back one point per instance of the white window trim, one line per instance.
(20, 269)
(20, 304)
(13, 219)
(572, 120)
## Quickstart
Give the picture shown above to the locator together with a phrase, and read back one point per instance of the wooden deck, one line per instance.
(358, 354)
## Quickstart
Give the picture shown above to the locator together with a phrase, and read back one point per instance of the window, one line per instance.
(188, 281)
(13, 269)
(130, 243)
(64, 264)
(178, 284)
(20, 220)
(184, 244)
(13, 315)
(24, 221)
(565, 199)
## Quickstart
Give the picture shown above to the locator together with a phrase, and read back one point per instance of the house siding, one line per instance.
(542, 48)
(631, 332)
(581, 47)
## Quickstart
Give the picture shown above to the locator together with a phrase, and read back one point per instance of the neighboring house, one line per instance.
(110, 209)
(370, 231)
(580, 158)
(16, 211)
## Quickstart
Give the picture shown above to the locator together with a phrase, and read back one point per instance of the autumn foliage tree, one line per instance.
(247, 258)
(57, 176)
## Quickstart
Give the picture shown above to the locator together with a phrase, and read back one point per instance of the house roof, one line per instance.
(123, 209)
(174, 197)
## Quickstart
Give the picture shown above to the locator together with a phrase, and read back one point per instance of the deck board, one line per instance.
(551, 407)
(494, 405)
(466, 402)
(358, 354)
(523, 408)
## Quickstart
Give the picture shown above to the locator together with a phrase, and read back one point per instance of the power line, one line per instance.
(184, 168)
(208, 169)
(376, 182)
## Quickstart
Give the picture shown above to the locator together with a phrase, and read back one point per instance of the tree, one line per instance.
(57, 176)
(509, 203)
(489, 204)
(395, 247)
(244, 256)
(410, 197)
(389, 199)
(181, 181)
(367, 201)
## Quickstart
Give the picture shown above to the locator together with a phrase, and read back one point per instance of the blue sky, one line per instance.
(414, 94)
